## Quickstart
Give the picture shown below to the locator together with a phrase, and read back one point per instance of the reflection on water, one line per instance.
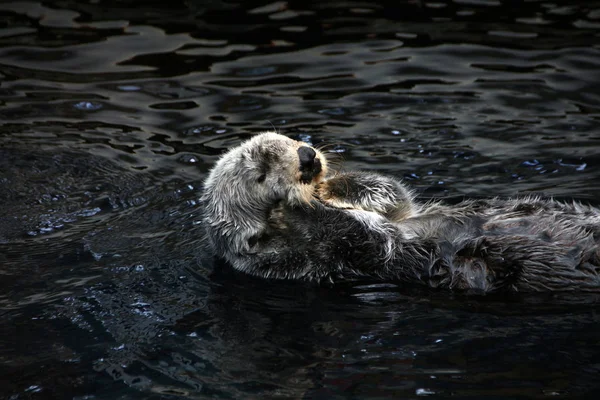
(112, 112)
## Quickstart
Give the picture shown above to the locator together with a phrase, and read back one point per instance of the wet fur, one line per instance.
(260, 218)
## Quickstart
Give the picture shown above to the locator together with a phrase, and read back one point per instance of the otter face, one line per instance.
(279, 168)
(268, 168)
(249, 180)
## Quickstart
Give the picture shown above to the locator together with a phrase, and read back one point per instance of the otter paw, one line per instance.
(322, 192)
(325, 196)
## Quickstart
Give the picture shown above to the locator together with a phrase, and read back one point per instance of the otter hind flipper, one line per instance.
(525, 263)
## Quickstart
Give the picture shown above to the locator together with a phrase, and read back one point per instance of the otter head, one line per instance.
(250, 180)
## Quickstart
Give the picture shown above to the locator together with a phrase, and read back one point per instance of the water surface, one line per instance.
(112, 112)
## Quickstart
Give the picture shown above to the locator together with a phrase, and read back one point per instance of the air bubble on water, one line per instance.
(305, 137)
(337, 149)
(333, 111)
(87, 106)
(198, 129)
(188, 159)
(424, 392)
(129, 88)
(89, 212)
(531, 163)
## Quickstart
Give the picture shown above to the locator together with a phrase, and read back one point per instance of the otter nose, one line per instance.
(310, 165)
(307, 158)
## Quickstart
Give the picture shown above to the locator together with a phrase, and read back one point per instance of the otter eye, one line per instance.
(262, 170)
(253, 241)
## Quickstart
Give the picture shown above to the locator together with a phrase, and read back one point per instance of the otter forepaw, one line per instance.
(368, 192)
(326, 195)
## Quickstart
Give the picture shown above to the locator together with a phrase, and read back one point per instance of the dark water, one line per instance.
(111, 113)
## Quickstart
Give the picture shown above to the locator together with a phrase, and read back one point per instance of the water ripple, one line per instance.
(111, 115)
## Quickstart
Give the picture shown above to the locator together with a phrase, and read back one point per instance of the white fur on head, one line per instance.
(245, 183)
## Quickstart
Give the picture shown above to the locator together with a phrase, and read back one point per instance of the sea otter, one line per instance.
(271, 209)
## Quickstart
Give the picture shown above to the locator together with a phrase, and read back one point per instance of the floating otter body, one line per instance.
(271, 210)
